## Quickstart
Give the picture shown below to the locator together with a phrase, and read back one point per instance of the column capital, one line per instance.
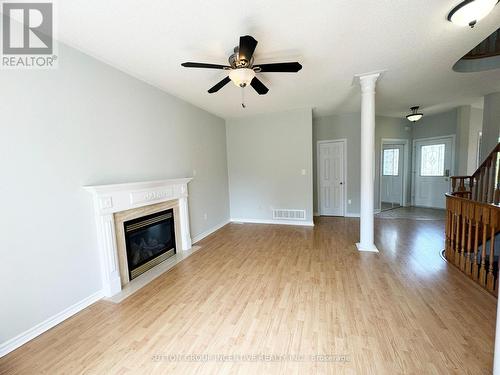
(368, 81)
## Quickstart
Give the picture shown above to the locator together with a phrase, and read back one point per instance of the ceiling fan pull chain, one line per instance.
(243, 97)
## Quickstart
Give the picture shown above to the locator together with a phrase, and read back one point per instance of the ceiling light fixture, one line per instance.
(242, 77)
(414, 116)
(469, 12)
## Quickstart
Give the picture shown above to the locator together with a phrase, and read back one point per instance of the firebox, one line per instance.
(150, 240)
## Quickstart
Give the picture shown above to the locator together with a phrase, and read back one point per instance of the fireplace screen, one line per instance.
(150, 240)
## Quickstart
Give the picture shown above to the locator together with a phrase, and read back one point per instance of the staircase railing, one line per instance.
(473, 222)
(484, 185)
(487, 48)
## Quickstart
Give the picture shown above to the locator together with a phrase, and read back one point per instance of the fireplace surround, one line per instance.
(115, 204)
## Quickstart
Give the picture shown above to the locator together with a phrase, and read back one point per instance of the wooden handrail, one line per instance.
(484, 184)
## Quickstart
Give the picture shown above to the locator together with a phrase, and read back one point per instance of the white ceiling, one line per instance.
(332, 39)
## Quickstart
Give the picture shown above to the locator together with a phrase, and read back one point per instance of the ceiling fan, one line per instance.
(242, 69)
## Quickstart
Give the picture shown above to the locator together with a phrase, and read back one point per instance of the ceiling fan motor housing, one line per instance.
(236, 62)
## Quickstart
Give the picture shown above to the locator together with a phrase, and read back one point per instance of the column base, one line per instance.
(369, 248)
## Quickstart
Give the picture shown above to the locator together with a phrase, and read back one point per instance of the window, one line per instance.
(432, 160)
(391, 162)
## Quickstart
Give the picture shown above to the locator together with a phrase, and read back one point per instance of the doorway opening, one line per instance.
(393, 173)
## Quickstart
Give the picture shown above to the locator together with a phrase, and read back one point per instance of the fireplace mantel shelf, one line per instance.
(99, 189)
(110, 199)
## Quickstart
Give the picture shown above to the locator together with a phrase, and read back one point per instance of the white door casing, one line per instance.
(331, 177)
(434, 162)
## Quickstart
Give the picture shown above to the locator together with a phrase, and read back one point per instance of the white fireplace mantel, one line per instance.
(109, 199)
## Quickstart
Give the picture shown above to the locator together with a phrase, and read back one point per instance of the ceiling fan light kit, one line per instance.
(242, 77)
(242, 71)
(469, 12)
(414, 116)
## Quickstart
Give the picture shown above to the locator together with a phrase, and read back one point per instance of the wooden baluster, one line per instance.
(486, 181)
(456, 256)
(462, 242)
(475, 261)
(497, 276)
(497, 188)
(474, 188)
(470, 215)
(480, 185)
(491, 195)
(453, 184)
(482, 270)
(471, 187)
(491, 280)
(452, 232)
(447, 230)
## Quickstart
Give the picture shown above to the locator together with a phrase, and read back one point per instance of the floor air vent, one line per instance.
(284, 214)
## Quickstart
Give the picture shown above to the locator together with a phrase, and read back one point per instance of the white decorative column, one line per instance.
(368, 83)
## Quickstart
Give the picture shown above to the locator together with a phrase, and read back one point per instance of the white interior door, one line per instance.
(392, 174)
(433, 164)
(331, 178)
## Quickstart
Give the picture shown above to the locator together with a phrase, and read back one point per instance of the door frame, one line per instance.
(406, 160)
(318, 172)
(414, 159)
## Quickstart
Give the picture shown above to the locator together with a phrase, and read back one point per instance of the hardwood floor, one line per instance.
(262, 289)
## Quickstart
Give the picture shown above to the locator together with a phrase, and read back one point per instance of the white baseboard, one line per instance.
(271, 221)
(350, 214)
(208, 232)
(357, 214)
(47, 324)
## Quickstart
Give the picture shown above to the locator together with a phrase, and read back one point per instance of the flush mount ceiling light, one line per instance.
(469, 12)
(414, 116)
(242, 77)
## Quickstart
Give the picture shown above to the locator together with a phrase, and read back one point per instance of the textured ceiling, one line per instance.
(333, 40)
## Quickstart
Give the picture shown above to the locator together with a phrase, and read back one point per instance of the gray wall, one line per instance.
(462, 141)
(348, 126)
(87, 123)
(491, 123)
(437, 125)
(475, 127)
(266, 155)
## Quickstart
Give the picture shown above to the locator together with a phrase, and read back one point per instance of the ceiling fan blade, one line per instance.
(247, 47)
(259, 86)
(288, 67)
(220, 85)
(204, 65)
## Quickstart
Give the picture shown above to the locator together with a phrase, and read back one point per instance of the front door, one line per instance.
(433, 163)
(331, 178)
